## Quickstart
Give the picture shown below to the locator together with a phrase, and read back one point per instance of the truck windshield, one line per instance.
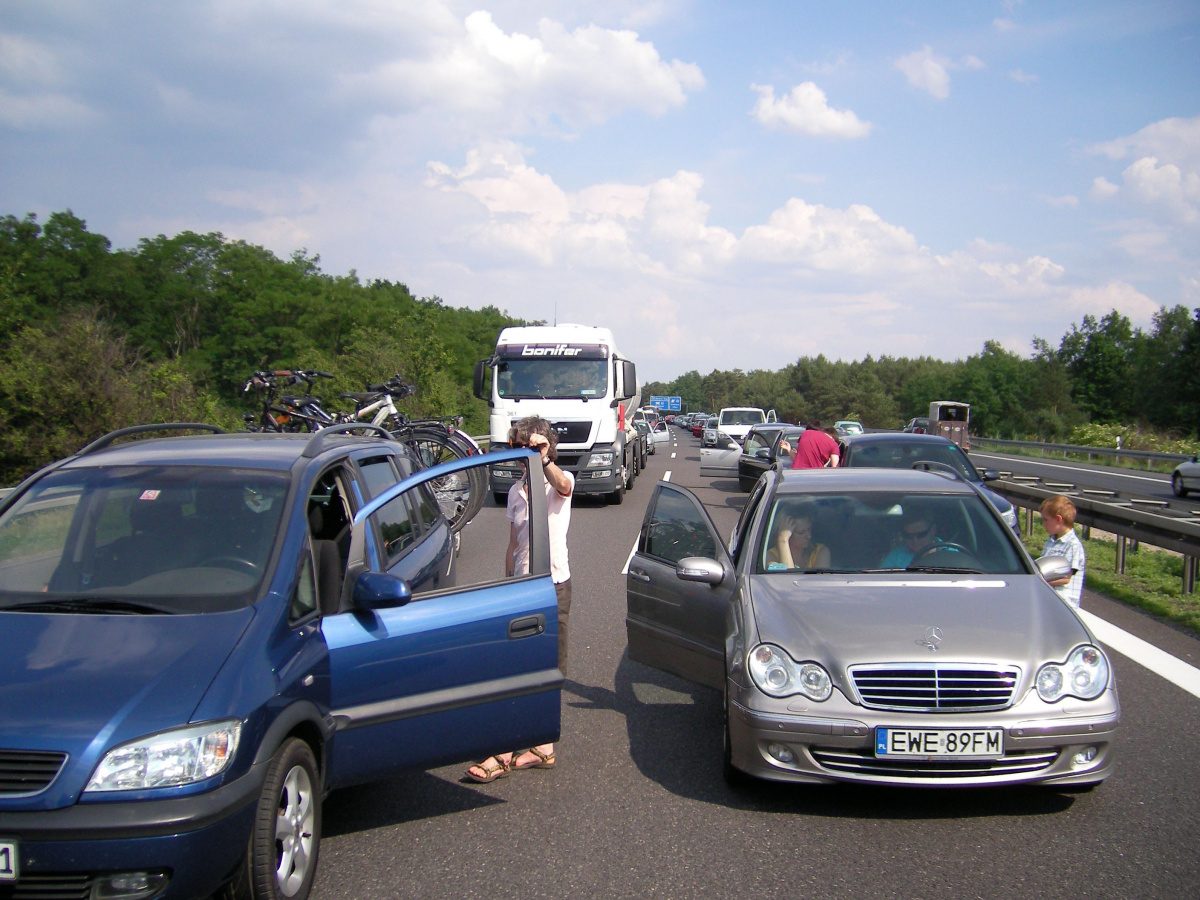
(551, 378)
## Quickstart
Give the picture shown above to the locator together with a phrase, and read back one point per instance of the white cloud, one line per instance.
(1004, 25)
(1173, 140)
(1022, 77)
(926, 71)
(28, 62)
(1165, 187)
(971, 62)
(43, 110)
(806, 111)
(1118, 295)
(1102, 188)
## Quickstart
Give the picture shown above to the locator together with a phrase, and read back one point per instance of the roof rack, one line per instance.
(101, 443)
(317, 443)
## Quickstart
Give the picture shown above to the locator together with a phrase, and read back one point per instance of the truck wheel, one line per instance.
(631, 471)
(617, 497)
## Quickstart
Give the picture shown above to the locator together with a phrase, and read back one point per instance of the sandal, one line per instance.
(496, 769)
(544, 760)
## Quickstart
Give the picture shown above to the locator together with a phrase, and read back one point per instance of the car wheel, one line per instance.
(734, 777)
(501, 499)
(1177, 485)
(281, 860)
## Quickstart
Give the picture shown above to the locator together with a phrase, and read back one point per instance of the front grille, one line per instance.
(49, 887)
(928, 687)
(859, 762)
(572, 432)
(27, 771)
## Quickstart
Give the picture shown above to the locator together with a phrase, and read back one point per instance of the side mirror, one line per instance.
(378, 590)
(628, 379)
(698, 568)
(480, 373)
(989, 474)
(763, 453)
(1054, 568)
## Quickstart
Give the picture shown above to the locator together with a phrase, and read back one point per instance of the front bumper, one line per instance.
(835, 742)
(198, 840)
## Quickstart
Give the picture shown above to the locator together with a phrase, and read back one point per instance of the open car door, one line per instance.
(673, 624)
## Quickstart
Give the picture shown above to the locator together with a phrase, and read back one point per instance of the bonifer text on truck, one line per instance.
(574, 377)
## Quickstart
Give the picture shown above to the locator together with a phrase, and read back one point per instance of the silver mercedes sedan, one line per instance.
(873, 625)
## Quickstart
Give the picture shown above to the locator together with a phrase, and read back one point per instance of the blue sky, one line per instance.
(726, 185)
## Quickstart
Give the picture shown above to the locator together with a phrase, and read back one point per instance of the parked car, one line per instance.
(205, 634)
(708, 434)
(1186, 477)
(847, 427)
(962, 668)
(919, 425)
(659, 436)
(699, 423)
(891, 450)
(761, 451)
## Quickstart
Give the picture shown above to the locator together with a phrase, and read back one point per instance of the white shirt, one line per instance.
(558, 510)
(1070, 547)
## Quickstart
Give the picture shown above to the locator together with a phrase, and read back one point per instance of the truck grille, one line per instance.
(859, 762)
(572, 432)
(27, 771)
(919, 687)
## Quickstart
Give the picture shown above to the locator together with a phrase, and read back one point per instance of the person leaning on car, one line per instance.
(815, 449)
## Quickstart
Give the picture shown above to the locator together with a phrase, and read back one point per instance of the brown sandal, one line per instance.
(544, 760)
(497, 769)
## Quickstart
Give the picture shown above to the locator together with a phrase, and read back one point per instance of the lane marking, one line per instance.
(629, 558)
(672, 455)
(667, 477)
(1145, 654)
(1115, 472)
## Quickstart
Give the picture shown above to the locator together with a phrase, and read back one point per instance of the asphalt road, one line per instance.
(637, 806)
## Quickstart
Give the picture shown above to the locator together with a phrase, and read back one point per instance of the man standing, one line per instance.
(815, 449)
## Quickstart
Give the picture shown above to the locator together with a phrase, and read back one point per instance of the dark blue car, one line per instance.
(205, 634)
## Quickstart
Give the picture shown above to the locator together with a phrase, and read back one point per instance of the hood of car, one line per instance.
(841, 621)
(81, 684)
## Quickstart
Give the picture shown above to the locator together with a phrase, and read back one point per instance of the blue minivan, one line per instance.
(204, 634)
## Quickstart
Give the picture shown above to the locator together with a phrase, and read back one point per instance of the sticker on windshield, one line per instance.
(257, 501)
(589, 391)
(149, 495)
(776, 567)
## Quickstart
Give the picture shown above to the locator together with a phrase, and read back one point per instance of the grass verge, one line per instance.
(1153, 579)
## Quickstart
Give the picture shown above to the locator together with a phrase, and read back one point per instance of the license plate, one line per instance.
(8, 860)
(933, 743)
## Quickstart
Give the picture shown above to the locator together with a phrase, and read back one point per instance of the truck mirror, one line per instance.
(480, 374)
(628, 379)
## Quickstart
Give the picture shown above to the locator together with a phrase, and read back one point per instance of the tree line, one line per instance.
(1103, 373)
(93, 339)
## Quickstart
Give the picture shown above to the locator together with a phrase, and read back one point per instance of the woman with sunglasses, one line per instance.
(536, 433)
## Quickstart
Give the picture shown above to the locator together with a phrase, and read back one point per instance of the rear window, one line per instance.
(179, 536)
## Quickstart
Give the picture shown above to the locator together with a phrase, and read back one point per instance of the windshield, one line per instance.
(551, 378)
(179, 538)
(902, 455)
(871, 532)
(743, 417)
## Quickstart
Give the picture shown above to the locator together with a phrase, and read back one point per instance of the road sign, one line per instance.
(673, 404)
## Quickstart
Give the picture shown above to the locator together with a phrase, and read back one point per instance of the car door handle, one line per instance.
(526, 626)
(639, 575)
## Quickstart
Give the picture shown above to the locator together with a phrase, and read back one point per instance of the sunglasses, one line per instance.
(913, 535)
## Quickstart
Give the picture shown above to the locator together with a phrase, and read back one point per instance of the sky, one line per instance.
(725, 185)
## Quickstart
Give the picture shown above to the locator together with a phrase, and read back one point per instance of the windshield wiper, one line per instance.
(92, 606)
(945, 570)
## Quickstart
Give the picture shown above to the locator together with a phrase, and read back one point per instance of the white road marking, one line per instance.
(1145, 654)
(629, 558)
(672, 456)
(1162, 481)
(667, 477)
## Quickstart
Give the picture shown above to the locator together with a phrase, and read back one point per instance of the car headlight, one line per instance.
(1084, 675)
(777, 674)
(169, 758)
(600, 459)
(1010, 516)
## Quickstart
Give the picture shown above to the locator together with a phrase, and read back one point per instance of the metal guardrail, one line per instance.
(1144, 523)
(1149, 456)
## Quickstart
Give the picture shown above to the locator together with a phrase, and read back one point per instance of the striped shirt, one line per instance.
(1071, 547)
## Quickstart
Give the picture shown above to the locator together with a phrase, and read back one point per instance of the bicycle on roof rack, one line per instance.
(431, 440)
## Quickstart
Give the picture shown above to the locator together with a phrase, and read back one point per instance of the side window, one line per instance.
(395, 526)
(677, 529)
(378, 474)
(754, 443)
(426, 507)
(738, 540)
(304, 598)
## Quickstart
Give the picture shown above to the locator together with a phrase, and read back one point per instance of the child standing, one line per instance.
(1058, 518)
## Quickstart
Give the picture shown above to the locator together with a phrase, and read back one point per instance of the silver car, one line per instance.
(1186, 477)
(873, 625)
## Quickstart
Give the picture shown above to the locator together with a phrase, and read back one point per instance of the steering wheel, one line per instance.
(231, 562)
(945, 547)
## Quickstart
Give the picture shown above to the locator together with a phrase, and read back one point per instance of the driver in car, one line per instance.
(917, 535)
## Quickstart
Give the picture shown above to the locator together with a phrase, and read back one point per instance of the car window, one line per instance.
(743, 417)
(755, 441)
(903, 454)
(304, 596)
(396, 526)
(737, 541)
(378, 473)
(188, 538)
(677, 529)
(426, 507)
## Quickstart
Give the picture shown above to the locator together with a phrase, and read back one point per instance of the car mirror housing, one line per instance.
(699, 568)
(378, 590)
(763, 453)
(1054, 568)
(989, 475)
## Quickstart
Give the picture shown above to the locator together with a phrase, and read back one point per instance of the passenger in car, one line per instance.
(917, 534)
(793, 547)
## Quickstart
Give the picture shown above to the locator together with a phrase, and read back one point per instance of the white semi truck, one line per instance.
(574, 377)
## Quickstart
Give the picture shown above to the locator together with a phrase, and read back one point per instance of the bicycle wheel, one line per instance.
(478, 475)
(453, 492)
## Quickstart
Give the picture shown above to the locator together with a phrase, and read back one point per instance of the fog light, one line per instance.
(781, 753)
(128, 886)
(1083, 757)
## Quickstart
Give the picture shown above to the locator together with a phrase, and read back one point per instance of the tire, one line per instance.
(281, 858)
(631, 469)
(460, 495)
(617, 497)
(1177, 485)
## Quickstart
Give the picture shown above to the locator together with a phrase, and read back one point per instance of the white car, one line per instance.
(1186, 477)
(708, 437)
(736, 421)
